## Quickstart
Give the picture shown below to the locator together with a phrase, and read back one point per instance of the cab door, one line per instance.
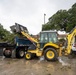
(43, 39)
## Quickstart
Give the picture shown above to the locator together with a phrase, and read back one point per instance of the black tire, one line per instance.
(54, 54)
(28, 56)
(20, 53)
(7, 53)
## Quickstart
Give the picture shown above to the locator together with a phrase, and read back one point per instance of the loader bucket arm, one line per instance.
(17, 28)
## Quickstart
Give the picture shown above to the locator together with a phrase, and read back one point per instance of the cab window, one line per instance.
(44, 37)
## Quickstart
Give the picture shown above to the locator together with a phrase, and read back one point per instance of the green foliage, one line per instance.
(46, 27)
(63, 19)
(5, 36)
(1, 31)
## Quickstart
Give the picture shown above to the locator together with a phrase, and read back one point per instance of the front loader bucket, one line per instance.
(17, 28)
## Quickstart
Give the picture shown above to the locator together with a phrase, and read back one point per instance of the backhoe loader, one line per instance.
(47, 46)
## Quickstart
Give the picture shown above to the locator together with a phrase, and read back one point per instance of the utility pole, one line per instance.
(44, 17)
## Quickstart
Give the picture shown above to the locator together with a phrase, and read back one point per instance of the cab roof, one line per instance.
(49, 31)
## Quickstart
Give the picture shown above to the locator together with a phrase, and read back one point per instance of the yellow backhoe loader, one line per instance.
(48, 45)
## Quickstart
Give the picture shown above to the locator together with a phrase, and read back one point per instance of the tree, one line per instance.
(1, 31)
(71, 18)
(46, 26)
(5, 35)
(62, 19)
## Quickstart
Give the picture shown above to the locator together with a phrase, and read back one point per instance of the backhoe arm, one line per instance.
(70, 37)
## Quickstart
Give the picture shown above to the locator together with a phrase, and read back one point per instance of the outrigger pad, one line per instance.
(17, 28)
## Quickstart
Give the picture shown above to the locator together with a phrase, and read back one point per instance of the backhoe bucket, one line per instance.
(17, 28)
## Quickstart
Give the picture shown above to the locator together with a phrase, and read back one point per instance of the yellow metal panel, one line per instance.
(70, 38)
(37, 52)
(51, 44)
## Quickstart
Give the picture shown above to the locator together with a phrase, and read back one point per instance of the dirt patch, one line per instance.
(35, 67)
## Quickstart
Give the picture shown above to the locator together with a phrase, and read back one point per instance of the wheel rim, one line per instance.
(28, 56)
(50, 54)
(21, 53)
(7, 52)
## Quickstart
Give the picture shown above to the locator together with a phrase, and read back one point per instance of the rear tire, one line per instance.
(7, 53)
(50, 54)
(20, 53)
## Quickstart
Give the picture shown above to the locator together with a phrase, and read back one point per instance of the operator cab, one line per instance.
(48, 37)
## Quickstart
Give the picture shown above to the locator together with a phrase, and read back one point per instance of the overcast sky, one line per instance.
(30, 13)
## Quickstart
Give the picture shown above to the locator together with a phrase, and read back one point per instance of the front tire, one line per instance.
(28, 56)
(50, 54)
